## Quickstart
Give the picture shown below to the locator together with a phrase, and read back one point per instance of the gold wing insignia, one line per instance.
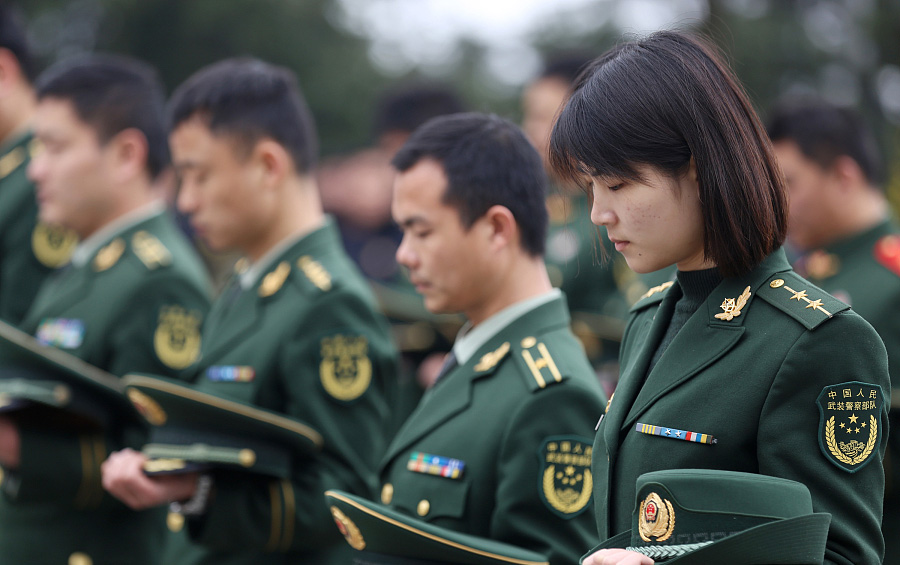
(732, 307)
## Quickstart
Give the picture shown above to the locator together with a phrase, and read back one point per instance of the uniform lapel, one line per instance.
(230, 322)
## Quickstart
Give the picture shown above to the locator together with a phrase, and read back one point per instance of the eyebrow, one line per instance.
(412, 222)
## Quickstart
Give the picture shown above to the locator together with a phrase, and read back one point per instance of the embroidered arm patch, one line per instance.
(850, 423)
(345, 369)
(566, 485)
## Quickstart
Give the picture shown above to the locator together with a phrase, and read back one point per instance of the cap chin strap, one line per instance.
(661, 552)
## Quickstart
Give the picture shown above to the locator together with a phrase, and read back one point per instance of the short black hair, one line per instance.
(249, 100)
(407, 106)
(13, 36)
(659, 101)
(825, 131)
(488, 161)
(112, 93)
(566, 66)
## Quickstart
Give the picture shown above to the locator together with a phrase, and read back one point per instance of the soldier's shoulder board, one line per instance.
(538, 366)
(887, 252)
(800, 299)
(316, 273)
(150, 250)
(652, 296)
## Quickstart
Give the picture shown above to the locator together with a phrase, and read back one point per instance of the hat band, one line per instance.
(657, 552)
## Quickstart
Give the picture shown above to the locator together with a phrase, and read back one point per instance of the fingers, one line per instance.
(616, 557)
(124, 478)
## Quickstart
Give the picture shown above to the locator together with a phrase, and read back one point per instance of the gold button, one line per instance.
(79, 558)
(776, 283)
(528, 342)
(175, 521)
(387, 493)
(247, 457)
(423, 507)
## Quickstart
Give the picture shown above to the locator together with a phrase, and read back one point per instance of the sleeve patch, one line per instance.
(850, 424)
(566, 484)
(345, 368)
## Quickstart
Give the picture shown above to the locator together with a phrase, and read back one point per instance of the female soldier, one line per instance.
(739, 364)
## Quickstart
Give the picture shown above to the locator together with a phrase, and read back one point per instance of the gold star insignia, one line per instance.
(842, 424)
(798, 295)
(814, 304)
(863, 424)
(853, 419)
(856, 431)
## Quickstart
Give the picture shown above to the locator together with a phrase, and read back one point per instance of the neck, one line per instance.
(865, 213)
(129, 198)
(17, 114)
(526, 278)
(299, 212)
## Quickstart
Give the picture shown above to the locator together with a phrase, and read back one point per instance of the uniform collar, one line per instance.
(470, 340)
(251, 276)
(862, 240)
(86, 249)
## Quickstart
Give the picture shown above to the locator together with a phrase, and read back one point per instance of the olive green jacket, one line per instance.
(307, 342)
(500, 446)
(758, 382)
(136, 305)
(29, 250)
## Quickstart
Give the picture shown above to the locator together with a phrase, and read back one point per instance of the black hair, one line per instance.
(13, 37)
(660, 101)
(488, 161)
(249, 100)
(824, 132)
(112, 93)
(408, 106)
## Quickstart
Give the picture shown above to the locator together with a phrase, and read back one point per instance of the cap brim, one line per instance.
(797, 541)
(380, 531)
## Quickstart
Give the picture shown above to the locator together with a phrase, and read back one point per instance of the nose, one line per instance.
(601, 215)
(405, 254)
(36, 170)
(186, 199)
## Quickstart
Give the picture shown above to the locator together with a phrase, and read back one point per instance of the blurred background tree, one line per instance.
(346, 52)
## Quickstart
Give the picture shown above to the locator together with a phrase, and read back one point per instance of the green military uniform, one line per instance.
(770, 375)
(304, 340)
(134, 305)
(500, 446)
(864, 271)
(29, 250)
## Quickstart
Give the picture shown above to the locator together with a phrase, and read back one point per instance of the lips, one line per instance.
(620, 244)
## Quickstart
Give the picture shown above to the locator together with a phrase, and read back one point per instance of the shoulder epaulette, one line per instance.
(538, 366)
(11, 161)
(652, 296)
(800, 299)
(315, 272)
(887, 252)
(150, 250)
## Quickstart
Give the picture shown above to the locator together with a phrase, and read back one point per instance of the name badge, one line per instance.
(61, 332)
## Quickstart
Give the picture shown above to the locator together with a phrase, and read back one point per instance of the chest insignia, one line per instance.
(849, 423)
(672, 433)
(273, 281)
(656, 521)
(489, 360)
(732, 308)
(435, 465)
(61, 332)
(231, 373)
(109, 255)
(567, 484)
(52, 245)
(345, 369)
(177, 337)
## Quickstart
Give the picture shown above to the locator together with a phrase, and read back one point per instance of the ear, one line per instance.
(273, 162)
(10, 71)
(848, 173)
(501, 226)
(129, 149)
(692, 170)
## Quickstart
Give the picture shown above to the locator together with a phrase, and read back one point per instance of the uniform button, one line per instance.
(79, 558)
(387, 493)
(423, 507)
(175, 521)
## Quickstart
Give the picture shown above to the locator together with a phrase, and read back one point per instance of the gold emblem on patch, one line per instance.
(273, 281)
(345, 369)
(149, 408)
(567, 484)
(489, 360)
(150, 250)
(657, 518)
(732, 308)
(109, 255)
(52, 245)
(177, 337)
(849, 423)
(348, 528)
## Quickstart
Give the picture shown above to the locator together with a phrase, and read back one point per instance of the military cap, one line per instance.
(386, 537)
(192, 430)
(699, 516)
(35, 377)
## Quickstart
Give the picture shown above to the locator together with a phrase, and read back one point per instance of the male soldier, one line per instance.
(132, 299)
(296, 331)
(849, 243)
(29, 251)
(500, 446)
